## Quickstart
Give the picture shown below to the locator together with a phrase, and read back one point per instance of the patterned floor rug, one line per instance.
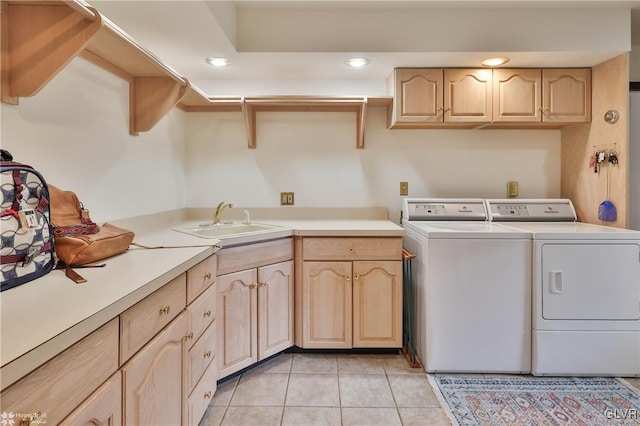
(525, 400)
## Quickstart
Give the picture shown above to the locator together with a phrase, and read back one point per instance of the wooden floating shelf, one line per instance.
(249, 106)
(40, 38)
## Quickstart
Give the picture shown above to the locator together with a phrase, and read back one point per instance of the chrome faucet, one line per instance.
(219, 209)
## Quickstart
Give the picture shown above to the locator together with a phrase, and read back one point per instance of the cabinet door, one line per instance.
(238, 322)
(153, 386)
(566, 95)
(103, 407)
(517, 95)
(327, 304)
(468, 95)
(377, 304)
(275, 308)
(418, 95)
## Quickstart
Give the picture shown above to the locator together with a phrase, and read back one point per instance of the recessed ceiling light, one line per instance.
(217, 62)
(494, 62)
(357, 62)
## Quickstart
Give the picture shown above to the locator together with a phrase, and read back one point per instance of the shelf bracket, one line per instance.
(150, 99)
(249, 114)
(361, 115)
(38, 40)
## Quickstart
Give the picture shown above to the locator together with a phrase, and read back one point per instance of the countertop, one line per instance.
(45, 316)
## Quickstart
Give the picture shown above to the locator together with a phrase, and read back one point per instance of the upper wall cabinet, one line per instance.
(426, 97)
(485, 98)
(549, 97)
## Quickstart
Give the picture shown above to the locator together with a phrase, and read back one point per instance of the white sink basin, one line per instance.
(226, 229)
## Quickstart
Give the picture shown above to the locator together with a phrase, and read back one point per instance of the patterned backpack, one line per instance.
(26, 238)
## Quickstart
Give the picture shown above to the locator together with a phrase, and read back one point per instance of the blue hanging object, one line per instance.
(607, 210)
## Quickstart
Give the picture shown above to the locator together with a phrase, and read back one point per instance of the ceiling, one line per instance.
(275, 47)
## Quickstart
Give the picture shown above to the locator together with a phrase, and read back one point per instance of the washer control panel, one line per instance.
(531, 210)
(444, 209)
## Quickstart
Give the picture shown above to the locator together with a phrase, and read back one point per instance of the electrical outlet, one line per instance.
(512, 189)
(286, 198)
(404, 188)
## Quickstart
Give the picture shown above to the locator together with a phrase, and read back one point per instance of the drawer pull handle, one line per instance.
(253, 285)
(208, 275)
(208, 395)
(348, 278)
(262, 284)
(356, 277)
(207, 354)
(165, 310)
(189, 336)
(351, 250)
(207, 313)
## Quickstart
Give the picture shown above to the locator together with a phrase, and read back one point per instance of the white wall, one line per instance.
(76, 133)
(314, 155)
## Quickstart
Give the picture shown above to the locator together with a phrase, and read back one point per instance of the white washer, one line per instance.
(586, 282)
(471, 287)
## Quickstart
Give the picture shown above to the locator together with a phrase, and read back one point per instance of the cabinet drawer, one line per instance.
(235, 259)
(57, 387)
(371, 248)
(201, 396)
(200, 277)
(200, 355)
(103, 407)
(145, 319)
(201, 313)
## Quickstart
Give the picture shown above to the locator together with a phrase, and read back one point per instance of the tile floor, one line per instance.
(319, 389)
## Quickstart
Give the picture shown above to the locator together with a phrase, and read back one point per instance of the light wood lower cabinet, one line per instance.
(255, 309)
(275, 308)
(201, 395)
(327, 292)
(103, 407)
(354, 303)
(143, 367)
(53, 390)
(238, 324)
(153, 384)
(255, 303)
(377, 304)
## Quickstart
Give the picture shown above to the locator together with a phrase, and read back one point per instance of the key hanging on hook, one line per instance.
(613, 157)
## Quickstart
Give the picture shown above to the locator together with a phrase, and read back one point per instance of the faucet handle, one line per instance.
(247, 218)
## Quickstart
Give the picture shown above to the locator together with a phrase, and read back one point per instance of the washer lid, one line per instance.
(466, 230)
(447, 209)
(574, 231)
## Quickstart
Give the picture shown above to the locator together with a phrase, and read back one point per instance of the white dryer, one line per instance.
(586, 290)
(471, 288)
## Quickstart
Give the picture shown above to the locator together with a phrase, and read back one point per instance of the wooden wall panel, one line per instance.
(610, 91)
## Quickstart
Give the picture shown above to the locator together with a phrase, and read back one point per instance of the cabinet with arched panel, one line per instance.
(351, 293)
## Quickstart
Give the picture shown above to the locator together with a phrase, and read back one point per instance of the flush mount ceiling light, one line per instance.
(357, 62)
(217, 62)
(494, 62)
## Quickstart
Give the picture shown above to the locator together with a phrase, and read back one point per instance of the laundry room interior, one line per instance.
(315, 243)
